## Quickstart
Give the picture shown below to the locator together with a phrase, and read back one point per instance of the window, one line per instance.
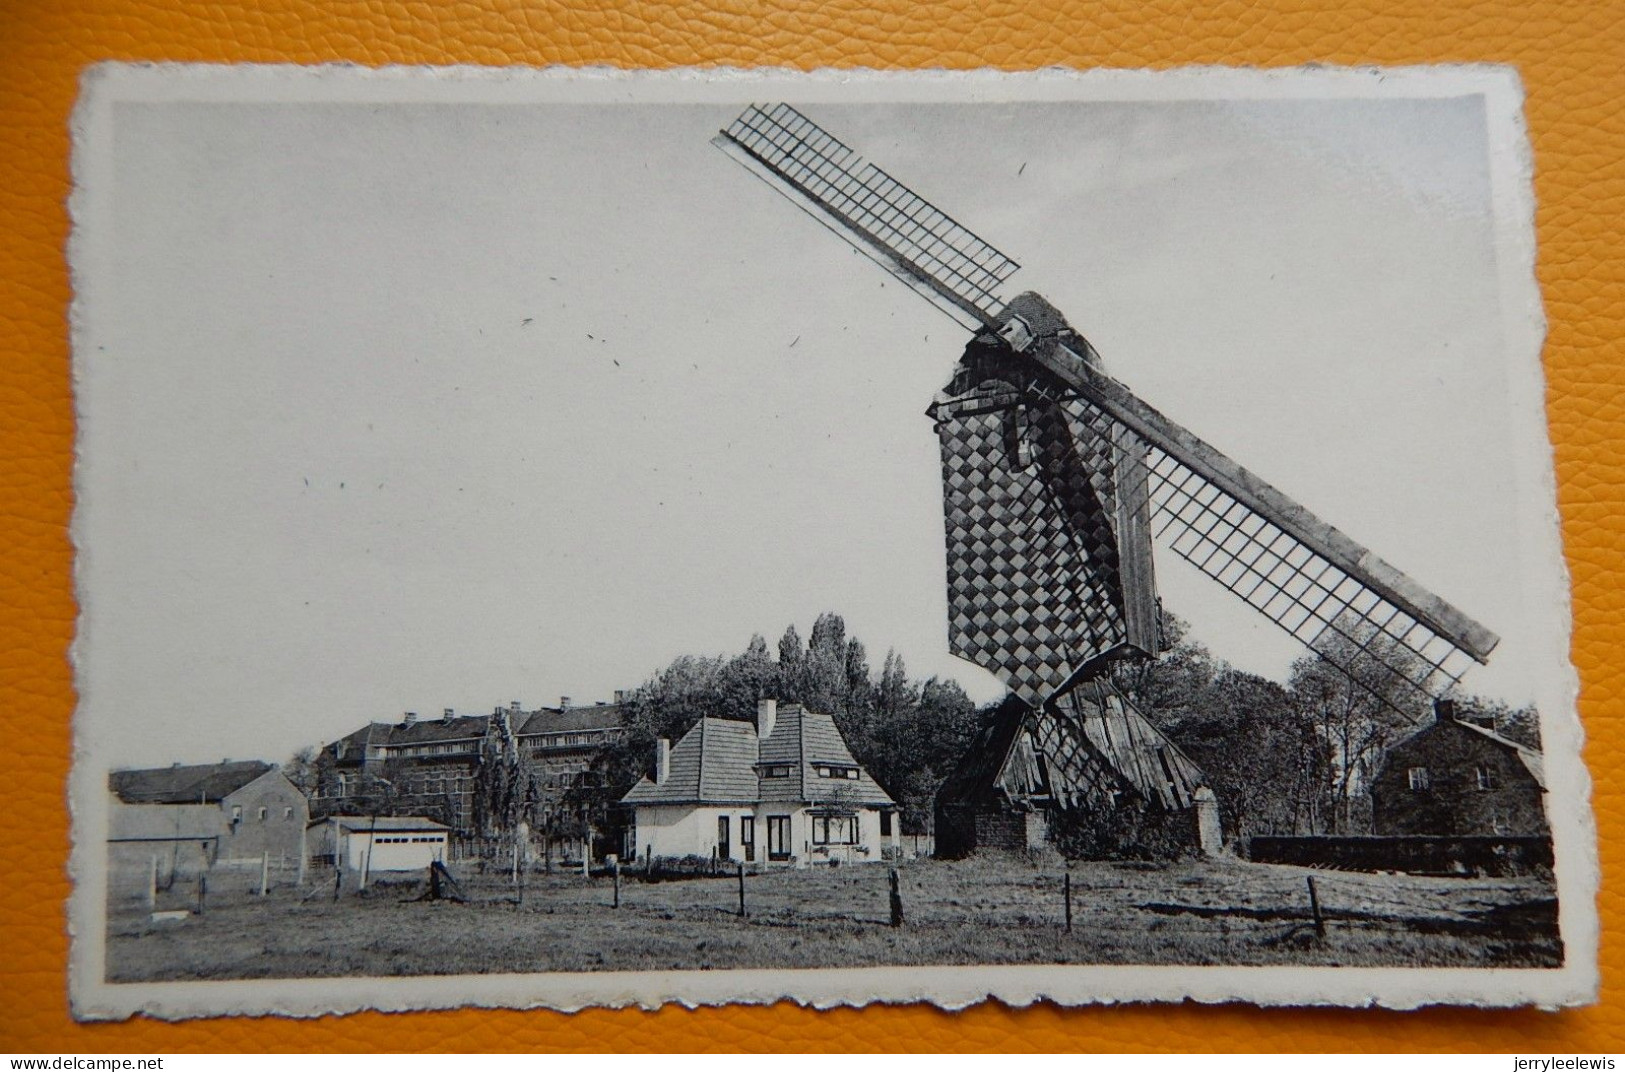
(831, 770)
(1481, 776)
(263, 813)
(236, 814)
(778, 837)
(287, 813)
(777, 772)
(885, 824)
(724, 844)
(835, 829)
(747, 837)
(1418, 778)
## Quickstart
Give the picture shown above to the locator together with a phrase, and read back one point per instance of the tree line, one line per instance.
(1282, 758)
(1297, 757)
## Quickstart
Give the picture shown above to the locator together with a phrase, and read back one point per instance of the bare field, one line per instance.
(972, 912)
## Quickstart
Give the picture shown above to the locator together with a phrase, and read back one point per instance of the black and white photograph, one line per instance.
(585, 538)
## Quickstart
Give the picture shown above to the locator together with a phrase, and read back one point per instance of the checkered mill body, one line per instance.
(1057, 479)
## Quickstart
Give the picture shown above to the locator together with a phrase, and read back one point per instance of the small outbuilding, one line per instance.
(1455, 778)
(374, 844)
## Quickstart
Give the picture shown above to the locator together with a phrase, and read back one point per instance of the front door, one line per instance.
(747, 837)
(723, 850)
(778, 837)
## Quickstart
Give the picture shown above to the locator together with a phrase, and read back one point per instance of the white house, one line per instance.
(784, 790)
(372, 844)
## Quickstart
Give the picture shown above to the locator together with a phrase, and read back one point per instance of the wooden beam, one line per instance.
(1265, 500)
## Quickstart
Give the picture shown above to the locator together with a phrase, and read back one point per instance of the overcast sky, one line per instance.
(409, 406)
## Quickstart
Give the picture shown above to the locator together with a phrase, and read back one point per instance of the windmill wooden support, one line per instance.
(1057, 480)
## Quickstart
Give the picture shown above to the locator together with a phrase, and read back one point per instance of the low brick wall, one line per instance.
(1426, 854)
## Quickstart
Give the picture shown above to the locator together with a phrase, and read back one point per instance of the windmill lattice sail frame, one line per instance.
(1337, 598)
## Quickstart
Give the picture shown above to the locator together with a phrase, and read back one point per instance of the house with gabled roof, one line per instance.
(194, 816)
(1455, 778)
(783, 790)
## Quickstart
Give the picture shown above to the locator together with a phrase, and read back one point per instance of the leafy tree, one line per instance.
(791, 656)
(1358, 708)
(508, 791)
(305, 769)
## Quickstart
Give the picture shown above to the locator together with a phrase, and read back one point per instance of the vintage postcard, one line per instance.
(567, 538)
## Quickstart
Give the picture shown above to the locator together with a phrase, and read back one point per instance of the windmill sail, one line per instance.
(1054, 473)
(907, 235)
(1388, 633)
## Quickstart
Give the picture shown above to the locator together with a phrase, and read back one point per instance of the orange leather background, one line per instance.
(1572, 55)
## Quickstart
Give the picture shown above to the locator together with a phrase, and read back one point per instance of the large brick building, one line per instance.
(430, 764)
(1455, 778)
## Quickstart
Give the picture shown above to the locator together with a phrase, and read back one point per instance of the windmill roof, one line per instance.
(207, 783)
(1136, 749)
(721, 761)
(1111, 730)
(974, 779)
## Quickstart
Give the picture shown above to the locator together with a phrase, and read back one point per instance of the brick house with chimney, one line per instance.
(783, 790)
(430, 764)
(1456, 778)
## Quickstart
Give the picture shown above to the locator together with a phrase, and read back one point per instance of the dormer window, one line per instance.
(776, 771)
(833, 770)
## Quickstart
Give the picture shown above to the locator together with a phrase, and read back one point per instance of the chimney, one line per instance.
(620, 696)
(411, 717)
(564, 703)
(767, 714)
(513, 705)
(662, 760)
(447, 715)
(1444, 710)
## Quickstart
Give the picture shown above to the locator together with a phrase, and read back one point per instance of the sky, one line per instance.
(404, 406)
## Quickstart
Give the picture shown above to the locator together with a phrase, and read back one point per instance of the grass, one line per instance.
(970, 912)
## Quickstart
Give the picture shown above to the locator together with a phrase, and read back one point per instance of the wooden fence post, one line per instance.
(615, 873)
(896, 899)
(265, 873)
(742, 914)
(202, 892)
(1066, 892)
(1314, 907)
(152, 884)
(338, 881)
